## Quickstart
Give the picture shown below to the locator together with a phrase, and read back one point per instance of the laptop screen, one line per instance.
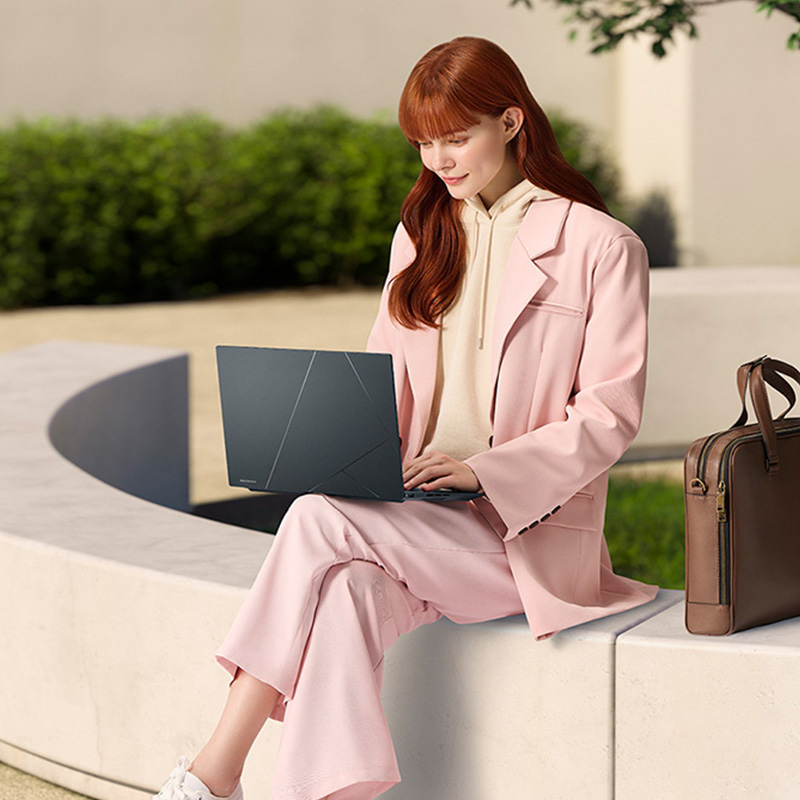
(310, 421)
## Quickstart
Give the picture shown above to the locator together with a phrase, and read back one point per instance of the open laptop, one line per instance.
(321, 421)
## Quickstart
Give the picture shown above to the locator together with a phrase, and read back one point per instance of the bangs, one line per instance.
(427, 113)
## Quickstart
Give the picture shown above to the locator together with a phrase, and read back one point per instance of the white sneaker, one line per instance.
(182, 785)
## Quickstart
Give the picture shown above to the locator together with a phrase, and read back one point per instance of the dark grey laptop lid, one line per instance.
(310, 421)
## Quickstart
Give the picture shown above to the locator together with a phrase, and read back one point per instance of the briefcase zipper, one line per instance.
(724, 544)
(722, 511)
(701, 460)
(723, 527)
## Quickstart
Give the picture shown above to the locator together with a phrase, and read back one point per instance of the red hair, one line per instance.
(451, 87)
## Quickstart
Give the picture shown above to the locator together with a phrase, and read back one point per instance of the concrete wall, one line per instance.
(92, 651)
(712, 124)
(238, 58)
(131, 432)
(112, 607)
(704, 322)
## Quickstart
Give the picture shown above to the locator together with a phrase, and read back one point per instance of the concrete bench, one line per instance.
(708, 717)
(111, 602)
(484, 712)
(113, 599)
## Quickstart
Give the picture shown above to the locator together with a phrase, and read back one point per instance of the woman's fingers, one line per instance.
(424, 467)
(424, 476)
(434, 470)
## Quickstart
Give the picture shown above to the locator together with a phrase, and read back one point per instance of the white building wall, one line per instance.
(715, 124)
(746, 103)
(654, 126)
(236, 59)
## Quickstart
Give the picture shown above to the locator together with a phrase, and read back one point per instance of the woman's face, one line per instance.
(476, 160)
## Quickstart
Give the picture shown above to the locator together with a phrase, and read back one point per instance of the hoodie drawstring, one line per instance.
(485, 286)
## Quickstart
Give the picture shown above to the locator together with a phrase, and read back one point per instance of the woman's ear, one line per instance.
(513, 117)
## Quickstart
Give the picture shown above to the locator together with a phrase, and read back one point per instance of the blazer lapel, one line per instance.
(538, 234)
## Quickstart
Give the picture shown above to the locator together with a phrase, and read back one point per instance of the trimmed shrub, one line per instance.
(182, 207)
(318, 197)
(104, 213)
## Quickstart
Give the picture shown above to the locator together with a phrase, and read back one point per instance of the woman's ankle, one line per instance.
(217, 783)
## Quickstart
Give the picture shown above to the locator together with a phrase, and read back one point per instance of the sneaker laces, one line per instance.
(173, 788)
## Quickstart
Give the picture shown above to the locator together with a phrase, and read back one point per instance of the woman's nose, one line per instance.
(441, 158)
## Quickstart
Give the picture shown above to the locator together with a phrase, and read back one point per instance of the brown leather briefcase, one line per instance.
(742, 493)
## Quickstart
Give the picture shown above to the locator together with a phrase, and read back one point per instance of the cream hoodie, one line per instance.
(459, 424)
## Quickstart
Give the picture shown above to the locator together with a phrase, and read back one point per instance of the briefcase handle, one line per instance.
(755, 374)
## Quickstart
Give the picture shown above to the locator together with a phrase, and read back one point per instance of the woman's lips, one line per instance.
(453, 181)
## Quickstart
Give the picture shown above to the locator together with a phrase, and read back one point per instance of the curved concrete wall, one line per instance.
(131, 431)
(112, 606)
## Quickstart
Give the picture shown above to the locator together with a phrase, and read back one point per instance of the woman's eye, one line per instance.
(423, 144)
(457, 141)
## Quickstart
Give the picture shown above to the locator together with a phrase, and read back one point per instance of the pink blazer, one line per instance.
(569, 347)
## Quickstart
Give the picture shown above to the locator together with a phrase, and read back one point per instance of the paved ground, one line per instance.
(17, 786)
(311, 318)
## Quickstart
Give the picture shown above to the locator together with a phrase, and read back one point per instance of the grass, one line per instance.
(645, 530)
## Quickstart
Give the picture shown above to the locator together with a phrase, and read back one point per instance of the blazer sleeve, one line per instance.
(529, 478)
(383, 337)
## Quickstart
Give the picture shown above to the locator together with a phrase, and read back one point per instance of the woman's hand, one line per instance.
(434, 470)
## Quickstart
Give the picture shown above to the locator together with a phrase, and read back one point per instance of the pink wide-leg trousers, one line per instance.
(342, 581)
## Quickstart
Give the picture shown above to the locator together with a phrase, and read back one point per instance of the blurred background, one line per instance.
(711, 127)
(188, 172)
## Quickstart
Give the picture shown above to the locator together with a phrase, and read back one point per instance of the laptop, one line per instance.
(322, 421)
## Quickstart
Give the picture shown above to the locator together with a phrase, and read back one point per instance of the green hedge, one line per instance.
(314, 198)
(182, 207)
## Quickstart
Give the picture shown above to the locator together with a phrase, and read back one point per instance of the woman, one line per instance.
(515, 312)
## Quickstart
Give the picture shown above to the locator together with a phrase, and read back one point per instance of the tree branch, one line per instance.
(611, 21)
(792, 7)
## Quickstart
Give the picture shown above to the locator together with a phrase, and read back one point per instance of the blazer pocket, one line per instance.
(555, 308)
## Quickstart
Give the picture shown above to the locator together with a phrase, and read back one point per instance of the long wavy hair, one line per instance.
(450, 88)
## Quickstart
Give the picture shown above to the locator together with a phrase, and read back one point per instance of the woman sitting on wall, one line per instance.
(516, 314)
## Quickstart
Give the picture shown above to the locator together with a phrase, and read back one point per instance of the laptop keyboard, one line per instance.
(438, 494)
